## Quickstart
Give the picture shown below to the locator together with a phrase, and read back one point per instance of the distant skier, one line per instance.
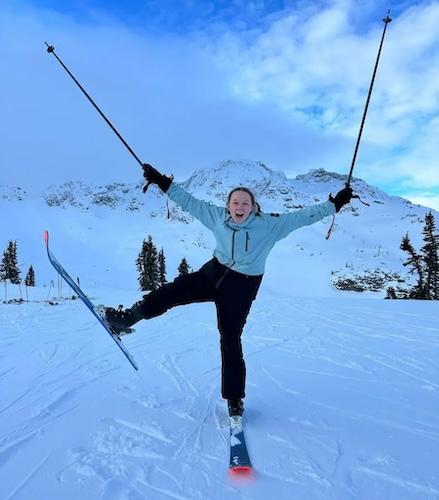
(244, 237)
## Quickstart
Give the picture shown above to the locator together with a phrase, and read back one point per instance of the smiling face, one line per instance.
(240, 206)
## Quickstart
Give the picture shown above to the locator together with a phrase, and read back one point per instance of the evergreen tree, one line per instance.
(425, 263)
(430, 257)
(4, 266)
(162, 268)
(9, 266)
(15, 271)
(183, 268)
(390, 293)
(140, 266)
(147, 266)
(30, 277)
(415, 261)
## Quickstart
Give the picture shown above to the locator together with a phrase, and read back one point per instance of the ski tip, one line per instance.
(242, 472)
(46, 237)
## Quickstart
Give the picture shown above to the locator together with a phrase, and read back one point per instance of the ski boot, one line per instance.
(120, 320)
(236, 407)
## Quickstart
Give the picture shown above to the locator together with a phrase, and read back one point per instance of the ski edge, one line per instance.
(65, 275)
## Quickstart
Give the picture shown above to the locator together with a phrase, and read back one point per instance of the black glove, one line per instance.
(153, 176)
(341, 198)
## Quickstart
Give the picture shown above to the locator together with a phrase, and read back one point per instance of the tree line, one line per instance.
(151, 266)
(9, 269)
(422, 263)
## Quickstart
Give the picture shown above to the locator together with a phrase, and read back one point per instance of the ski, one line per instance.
(87, 301)
(239, 459)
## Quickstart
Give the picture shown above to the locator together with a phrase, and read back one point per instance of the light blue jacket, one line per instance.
(245, 247)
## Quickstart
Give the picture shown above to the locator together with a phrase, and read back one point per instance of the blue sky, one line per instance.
(191, 83)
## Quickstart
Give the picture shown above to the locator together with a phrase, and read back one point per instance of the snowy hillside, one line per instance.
(341, 402)
(342, 388)
(99, 229)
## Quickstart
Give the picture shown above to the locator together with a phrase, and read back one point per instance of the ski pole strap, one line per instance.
(356, 196)
(330, 229)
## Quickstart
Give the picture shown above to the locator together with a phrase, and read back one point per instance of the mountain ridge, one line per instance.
(212, 184)
(99, 229)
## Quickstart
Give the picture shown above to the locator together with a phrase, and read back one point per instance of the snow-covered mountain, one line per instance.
(12, 193)
(105, 225)
(213, 184)
(85, 196)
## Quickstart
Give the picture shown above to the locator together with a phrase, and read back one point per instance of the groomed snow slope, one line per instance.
(341, 403)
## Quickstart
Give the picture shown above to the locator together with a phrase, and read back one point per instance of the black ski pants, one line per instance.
(233, 294)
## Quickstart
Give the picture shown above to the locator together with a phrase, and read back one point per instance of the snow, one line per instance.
(342, 388)
(341, 403)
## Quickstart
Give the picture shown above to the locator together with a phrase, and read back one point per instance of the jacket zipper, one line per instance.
(246, 241)
(233, 245)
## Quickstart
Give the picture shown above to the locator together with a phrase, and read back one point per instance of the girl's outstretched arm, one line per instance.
(284, 224)
(207, 213)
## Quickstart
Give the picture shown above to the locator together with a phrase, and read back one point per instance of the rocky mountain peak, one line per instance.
(12, 193)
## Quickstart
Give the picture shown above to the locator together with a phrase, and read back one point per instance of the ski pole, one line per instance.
(51, 50)
(386, 21)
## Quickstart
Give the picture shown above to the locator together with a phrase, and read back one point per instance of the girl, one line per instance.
(244, 237)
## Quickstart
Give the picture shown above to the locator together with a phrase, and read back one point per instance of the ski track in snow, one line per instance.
(342, 398)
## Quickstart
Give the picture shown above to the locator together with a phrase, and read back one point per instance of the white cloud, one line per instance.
(317, 67)
(165, 94)
(425, 201)
(320, 62)
(291, 95)
(415, 166)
